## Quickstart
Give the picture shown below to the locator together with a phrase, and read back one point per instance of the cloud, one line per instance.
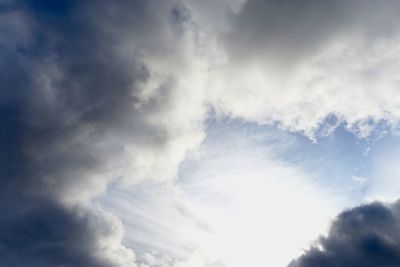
(297, 63)
(363, 236)
(91, 93)
(95, 93)
(93, 99)
(44, 234)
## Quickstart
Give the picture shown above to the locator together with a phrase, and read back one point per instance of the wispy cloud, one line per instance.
(234, 200)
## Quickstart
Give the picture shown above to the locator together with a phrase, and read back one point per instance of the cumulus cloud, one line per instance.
(363, 236)
(296, 63)
(39, 233)
(93, 97)
(91, 92)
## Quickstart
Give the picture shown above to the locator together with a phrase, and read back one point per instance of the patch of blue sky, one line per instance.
(341, 161)
(236, 159)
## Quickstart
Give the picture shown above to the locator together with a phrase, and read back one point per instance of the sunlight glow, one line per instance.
(267, 210)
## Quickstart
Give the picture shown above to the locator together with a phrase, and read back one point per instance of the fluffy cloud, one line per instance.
(296, 63)
(363, 236)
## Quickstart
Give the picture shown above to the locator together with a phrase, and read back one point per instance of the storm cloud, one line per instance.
(367, 235)
(81, 106)
(38, 233)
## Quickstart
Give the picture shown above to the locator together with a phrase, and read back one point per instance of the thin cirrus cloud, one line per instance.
(226, 197)
(97, 96)
(258, 186)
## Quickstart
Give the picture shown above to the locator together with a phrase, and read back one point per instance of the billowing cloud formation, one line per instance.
(363, 236)
(101, 92)
(42, 234)
(296, 63)
(90, 93)
(85, 97)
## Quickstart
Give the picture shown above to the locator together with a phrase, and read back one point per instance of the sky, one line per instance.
(185, 133)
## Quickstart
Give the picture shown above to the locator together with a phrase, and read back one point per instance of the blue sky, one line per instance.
(340, 170)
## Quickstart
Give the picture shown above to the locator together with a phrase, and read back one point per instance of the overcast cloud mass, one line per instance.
(184, 133)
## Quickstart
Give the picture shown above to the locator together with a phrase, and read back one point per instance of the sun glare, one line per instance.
(261, 212)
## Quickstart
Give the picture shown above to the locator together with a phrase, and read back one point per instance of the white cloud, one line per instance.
(297, 63)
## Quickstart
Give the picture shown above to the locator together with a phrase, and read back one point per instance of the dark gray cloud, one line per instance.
(74, 116)
(367, 235)
(66, 83)
(39, 233)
